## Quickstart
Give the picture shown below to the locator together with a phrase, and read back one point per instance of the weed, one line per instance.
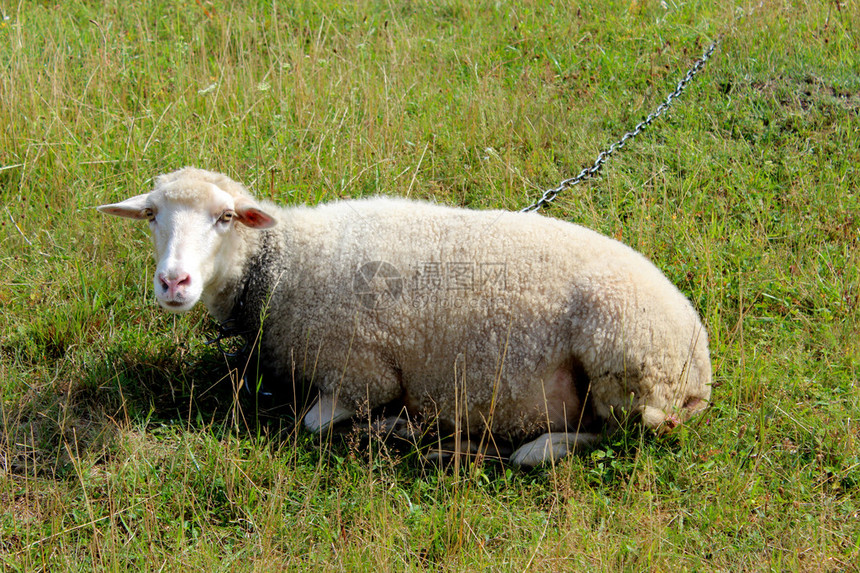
(126, 442)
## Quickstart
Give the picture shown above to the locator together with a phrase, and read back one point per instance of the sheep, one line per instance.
(534, 329)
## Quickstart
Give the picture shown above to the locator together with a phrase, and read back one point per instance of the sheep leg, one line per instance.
(325, 412)
(469, 447)
(449, 449)
(399, 426)
(550, 447)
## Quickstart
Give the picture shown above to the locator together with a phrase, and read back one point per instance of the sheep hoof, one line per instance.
(324, 413)
(659, 421)
(550, 447)
(395, 426)
(652, 417)
(448, 449)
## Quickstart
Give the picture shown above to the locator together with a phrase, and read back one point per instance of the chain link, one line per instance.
(550, 194)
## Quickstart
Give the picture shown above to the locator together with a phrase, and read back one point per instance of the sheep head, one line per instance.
(194, 216)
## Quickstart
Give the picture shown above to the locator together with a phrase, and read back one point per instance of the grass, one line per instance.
(122, 444)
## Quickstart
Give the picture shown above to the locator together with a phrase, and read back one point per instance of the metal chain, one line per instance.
(550, 194)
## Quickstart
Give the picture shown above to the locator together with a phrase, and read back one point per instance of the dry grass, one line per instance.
(121, 444)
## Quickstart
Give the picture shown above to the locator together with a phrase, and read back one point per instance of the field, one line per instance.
(124, 444)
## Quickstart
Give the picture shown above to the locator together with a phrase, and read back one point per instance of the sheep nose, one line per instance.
(171, 286)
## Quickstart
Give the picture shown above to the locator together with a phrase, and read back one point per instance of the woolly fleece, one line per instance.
(512, 314)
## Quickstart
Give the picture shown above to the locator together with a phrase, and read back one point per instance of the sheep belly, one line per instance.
(476, 406)
(554, 404)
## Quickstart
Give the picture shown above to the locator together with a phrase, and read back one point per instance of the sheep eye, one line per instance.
(226, 217)
(149, 214)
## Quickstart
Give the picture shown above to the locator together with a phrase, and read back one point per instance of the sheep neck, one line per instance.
(252, 289)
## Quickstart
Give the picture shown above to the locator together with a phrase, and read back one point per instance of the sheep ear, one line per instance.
(251, 215)
(131, 208)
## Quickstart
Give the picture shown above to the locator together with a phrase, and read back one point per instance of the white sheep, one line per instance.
(510, 322)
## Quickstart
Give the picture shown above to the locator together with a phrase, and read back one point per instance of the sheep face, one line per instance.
(193, 224)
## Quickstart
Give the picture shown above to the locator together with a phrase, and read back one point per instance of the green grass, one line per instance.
(122, 444)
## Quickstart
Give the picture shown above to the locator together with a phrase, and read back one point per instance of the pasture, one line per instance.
(125, 443)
